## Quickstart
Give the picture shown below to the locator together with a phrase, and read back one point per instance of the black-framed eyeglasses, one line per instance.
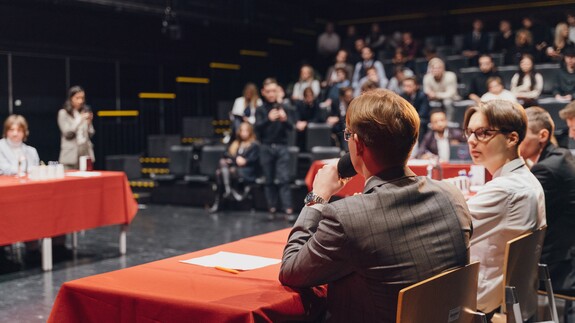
(347, 134)
(483, 134)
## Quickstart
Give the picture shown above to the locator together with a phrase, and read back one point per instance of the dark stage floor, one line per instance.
(157, 232)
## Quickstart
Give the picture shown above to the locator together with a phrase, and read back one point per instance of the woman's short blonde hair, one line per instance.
(20, 121)
(386, 123)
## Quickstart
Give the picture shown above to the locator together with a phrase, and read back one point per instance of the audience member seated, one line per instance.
(367, 247)
(355, 54)
(527, 84)
(523, 45)
(306, 79)
(333, 91)
(571, 22)
(360, 70)
(475, 43)
(415, 96)
(348, 42)
(565, 81)
(331, 76)
(400, 60)
(540, 33)
(244, 109)
(307, 111)
(239, 164)
(373, 78)
(441, 86)
(410, 48)
(400, 74)
(566, 137)
(478, 85)
(328, 42)
(554, 167)
(376, 40)
(560, 43)
(436, 143)
(497, 91)
(511, 204)
(505, 40)
(336, 118)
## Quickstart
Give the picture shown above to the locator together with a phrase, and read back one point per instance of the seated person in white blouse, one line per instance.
(509, 205)
(15, 155)
(496, 91)
(527, 84)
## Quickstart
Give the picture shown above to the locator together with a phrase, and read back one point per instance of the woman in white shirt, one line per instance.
(511, 204)
(244, 109)
(527, 84)
(15, 155)
(306, 79)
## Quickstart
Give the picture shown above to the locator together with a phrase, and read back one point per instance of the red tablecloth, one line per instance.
(170, 291)
(38, 209)
(355, 185)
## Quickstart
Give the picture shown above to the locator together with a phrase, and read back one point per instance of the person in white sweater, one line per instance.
(15, 155)
(527, 84)
(441, 85)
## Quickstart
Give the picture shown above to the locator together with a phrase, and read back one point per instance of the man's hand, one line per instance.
(273, 115)
(326, 182)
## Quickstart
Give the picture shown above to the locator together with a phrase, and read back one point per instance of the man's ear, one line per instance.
(359, 145)
(544, 136)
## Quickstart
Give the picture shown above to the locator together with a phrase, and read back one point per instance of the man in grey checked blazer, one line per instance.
(401, 230)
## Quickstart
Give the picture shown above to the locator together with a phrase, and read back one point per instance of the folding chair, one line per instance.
(521, 271)
(447, 297)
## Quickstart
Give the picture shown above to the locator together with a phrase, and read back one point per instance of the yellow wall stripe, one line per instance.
(224, 66)
(305, 31)
(257, 53)
(118, 113)
(155, 95)
(277, 41)
(198, 80)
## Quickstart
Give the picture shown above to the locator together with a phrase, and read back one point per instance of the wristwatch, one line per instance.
(311, 198)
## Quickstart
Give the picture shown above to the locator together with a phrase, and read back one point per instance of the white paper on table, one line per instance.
(232, 260)
(83, 174)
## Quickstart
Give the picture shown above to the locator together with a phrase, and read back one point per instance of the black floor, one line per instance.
(157, 232)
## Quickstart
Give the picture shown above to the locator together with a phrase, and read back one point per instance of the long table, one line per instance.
(356, 183)
(42, 209)
(171, 291)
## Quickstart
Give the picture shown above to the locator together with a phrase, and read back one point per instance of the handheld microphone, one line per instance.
(345, 167)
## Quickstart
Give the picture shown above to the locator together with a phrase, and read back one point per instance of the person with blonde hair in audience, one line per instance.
(496, 91)
(441, 85)
(560, 42)
(554, 167)
(306, 79)
(511, 204)
(240, 163)
(403, 228)
(527, 84)
(244, 108)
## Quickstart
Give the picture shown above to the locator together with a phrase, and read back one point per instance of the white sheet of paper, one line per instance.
(232, 260)
(83, 174)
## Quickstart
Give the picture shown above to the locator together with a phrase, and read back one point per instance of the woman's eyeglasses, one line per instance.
(483, 134)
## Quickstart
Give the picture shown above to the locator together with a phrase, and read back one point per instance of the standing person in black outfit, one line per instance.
(478, 85)
(274, 121)
(475, 43)
(554, 167)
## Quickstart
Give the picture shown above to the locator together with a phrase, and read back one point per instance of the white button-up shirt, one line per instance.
(511, 204)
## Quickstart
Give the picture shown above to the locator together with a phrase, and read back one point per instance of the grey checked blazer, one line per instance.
(367, 247)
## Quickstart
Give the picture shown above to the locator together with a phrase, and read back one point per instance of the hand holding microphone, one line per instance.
(331, 177)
